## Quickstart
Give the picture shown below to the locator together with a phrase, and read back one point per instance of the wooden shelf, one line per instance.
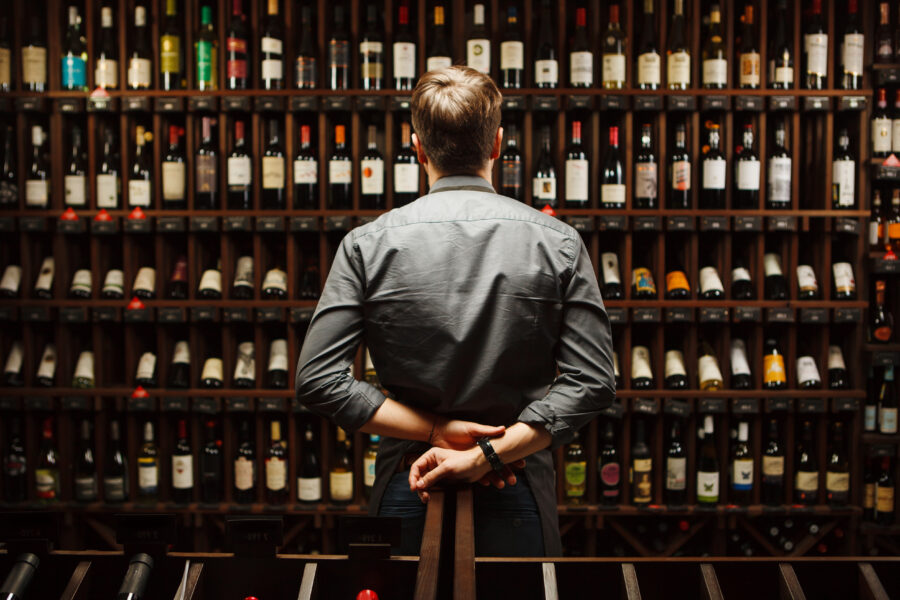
(754, 510)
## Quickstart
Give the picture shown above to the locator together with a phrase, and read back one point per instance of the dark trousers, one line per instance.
(507, 522)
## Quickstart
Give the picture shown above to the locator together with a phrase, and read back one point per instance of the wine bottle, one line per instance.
(881, 321)
(244, 467)
(274, 196)
(206, 168)
(404, 50)
(369, 457)
(173, 172)
(748, 57)
(882, 127)
(277, 375)
(614, 71)
(870, 477)
(210, 287)
(815, 49)
(612, 282)
(239, 172)
(178, 282)
(371, 52)
(9, 181)
(43, 286)
(680, 171)
(773, 467)
(675, 373)
(512, 52)
(895, 124)
(371, 170)
(648, 62)
(581, 58)
(81, 284)
(182, 467)
(711, 287)
(74, 58)
(887, 403)
(339, 53)
(678, 59)
(746, 177)
(838, 377)
(340, 173)
(5, 56)
(171, 59)
(612, 186)
(779, 172)
(837, 468)
(83, 377)
(677, 286)
(306, 71)
(884, 41)
(676, 467)
(741, 284)
(340, 477)
(575, 472)
(148, 465)
(884, 494)
(271, 49)
(242, 287)
(206, 52)
(309, 480)
(34, 56)
(12, 371)
(774, 282)
(774, 373)
(245, 366)
(46, 475)
(742, 468)
(578, 170)
(478, 45)
(406, 169)
(439, 52)
(14, 463)
(807, 284)
(210, 466)
(806, 479)
(37, 184)
(211, 375)
(108, 185)
(274, 285)
(140, 179)
(146, 370)
(306, 174)
(714, 54)
(11, 281)
(140, 66)
(144, 286)
(807, 372)
(641, 472)
(642, 285)
(852, 49)
(237, 46)
(714, 172)
(641, 373)
(646, 179)
(708, 372)
(180, 368)
(46, 371)
(546, 63)
(781, 54)
(842, 280)
(511, 165)
(75, 180)
(276, 466)
(115, 467)
(708, 466)
(113, 285)
(544, 181)
(609, 466)
(893, 221)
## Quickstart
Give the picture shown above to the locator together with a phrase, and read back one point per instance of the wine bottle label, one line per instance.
(715, 71)
(544, 188)
(674, 363)
(681, 175)
(884, 499)
(843, 278)
(37, 193)
(773, 466)
(576, 475)
(807, 481)
(243, 473)
(5, 67)
(641, 475)
(169, 54)
(306, 172)
(748, 175)
(645, 180)
(869, 496)
(835, 358)
(371, 66)
(895, 135)
(81, 281)
(207, 180)
(148, 475)
(714, 174)
(894, 231)
(146, 366)
(84, 368)
(870, 417)
(782, 75)
(276, 474)
(614, 193)
(243, 272)
(273, 173)
(779, 175)
(14, 359)
(640, 363)
(245, 365)
(610, 474)
(649, 69)
(434, 63)
(182, 353)
(204, 64)
(406, 178)
(478, 55)
(114, 488)
(843, 182)
(613, 68)
(340, 171)
(212, 369)
(145, 280)
(577, 172)
(405, 60)
(75, 190)
(12, 278)
(676, 280)
(182, 472)
(610, 267)
(837, 482)
(278, 360)
(882, 135)
(275, 278)
(806, 279)
(773, 369)
(709, 280)
(114, 282)
(887, 420)
(581, 69)
(338, 54)
(138, 192)
(341, 486)
(139, 70)
(106, 73)
(74, 72)
(511, 174)
(676, 473)
(815, 45)
(240, 172)
(546, 72)
(369, 471)
(678, 69)
(173, 180)
(742, 474)
(876, 232)
(34, 64)
(309, 489)
(642, 280)
(46, 483)
(707, 486)
(616, 371)
(45, 276)
(749, 69)
(771, 265)
(271, 45)
(739, 364)
(512, 56)
(708, 369)
(107, 191)
(852, 53)
(372, 181)
(740, 274)
(272, 68)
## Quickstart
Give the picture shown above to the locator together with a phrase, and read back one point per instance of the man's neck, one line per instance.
(434, 175)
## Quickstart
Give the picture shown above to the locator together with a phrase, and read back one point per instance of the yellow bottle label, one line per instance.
(677, 280)
(575, 475)
(169, 53)
(884, 499)
(773, 369)
(643, 280)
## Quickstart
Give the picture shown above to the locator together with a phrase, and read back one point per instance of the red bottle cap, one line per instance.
(889, 255)
(135, 304)
(137, 213)
(367, 595)
(548, 210)
(139, 392)
(102, 216)
(68, 215)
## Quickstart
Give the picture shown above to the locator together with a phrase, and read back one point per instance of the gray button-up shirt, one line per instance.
(474, 306)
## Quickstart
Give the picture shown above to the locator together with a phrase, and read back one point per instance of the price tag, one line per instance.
(7, 313)
(679, 315)
(337, 103)
(713, 315)
(715, 103)
(304, 103)
(680, 223)
(73, 314)
(76, 403)
(206, 406)
(200, 314)
(40, 314)
(881, 358)
(813, 315)
(612, 222)
(170, 224)
(269, 103)
(680, 408)
(33, 526)
(782, 223)
(254, 535)
(581, 224)
(780, 315)
(271, 405)
(169, 104)
(546, 103)
(688, 103)
(338, 223)
(748, 103)
(269, 224)
(401, 103)
(747, 314)
(648, 103)
(611, 103)
(778, 404)
(816, 103)
(171, 315)
(105, 227)
(646, 315)
(140, 404)
(204, 224)
(857, 103)
(38, 403)
(237, 404)
(782, 103)
(300, 224)
(617, 316)
(745, 406)
(30, 104)
(7, 403)
(7, 225)
(711, 405)
(513, 102)
(237, 315)
(713, 223)
(33, 224)
(175, 404)
(848, 315)
(236, 224)
(236, 103)
(583, 102)
(845, 405)
(136, 104)
(70, 105)
(301, 315)
(886, 267)
(138, 225)
(139, 315)
(71, 226)
(373, 103)
(102, 104)
(850, 226)
(203, 104)
(647, 224)
(105, 314)
(145, 529)
(747, 223)
(647, 406)
(270, 314)
(811, 405)
(369, 531)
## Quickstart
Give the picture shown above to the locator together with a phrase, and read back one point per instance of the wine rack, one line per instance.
(302, 242)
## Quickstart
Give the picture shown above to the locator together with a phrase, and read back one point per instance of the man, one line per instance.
(483, 318)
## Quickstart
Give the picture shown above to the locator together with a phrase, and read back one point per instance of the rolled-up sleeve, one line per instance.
(586, 381)
(324, 383)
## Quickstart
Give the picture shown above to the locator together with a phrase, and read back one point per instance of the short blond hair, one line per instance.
(456, 114)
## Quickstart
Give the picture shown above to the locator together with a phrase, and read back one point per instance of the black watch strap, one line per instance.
(491, 456)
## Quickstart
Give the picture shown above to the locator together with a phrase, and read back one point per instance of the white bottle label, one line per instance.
(106, 74)
(676, 473)
(276, 474)
(272, 68)
(243, 473)
(882, 133)
(816, 48)
(148, 477)
(612, 193)
(145, 279)
(707, 486)
(806, 279)
(45, 276)
(843, 277)
(239, 170)
(271, 45)
(245, 365)
(434, 63)
(581, 68)
(211, 280)
(681, 175)
(577, 180)
(369, 471)
(341, 486)
(82, 281)
(852, 53)
(835, 358)
(779, 180)
(139, 72)
(613, 68)
(895, 136)
(275, 278)
(709, 280)
(309, 489)
(807, 371)
(37, 193)
(75, 194)
(544, 188)
(649, 69)
(114, 281)
(610, 267)
(182, 353)
(784, 76)
(708, 369)
(138, 192)
(404, 60)
(715, 71)
(512, 55)
(47, 367)
(749, 69)
(478, 55)
(844, 177)
(714, 174)
(5, 67)
(742, 473)
(739, 364)
(406, 178)
(34, 64)
(107, 191)
(640, 363)
(678, 69)
(146, 366)
(340, 171)
(14, 359)
(173, 180)
(84, 368)
(372, 180)
(547, 72)
(748, 174)
(12, 278)
(212, 369)
(771, 264)
(306, 171)
(887, 420)
(645, 180)
(674, 363)
(243, 272)
(182, 472)
(273, 173)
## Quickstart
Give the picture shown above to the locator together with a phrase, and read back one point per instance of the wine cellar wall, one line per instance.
(177, 175)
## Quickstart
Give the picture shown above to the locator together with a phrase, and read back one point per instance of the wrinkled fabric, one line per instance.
(474, 306)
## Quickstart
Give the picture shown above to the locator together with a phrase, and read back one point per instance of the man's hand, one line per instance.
(454, 434)
(443, 464)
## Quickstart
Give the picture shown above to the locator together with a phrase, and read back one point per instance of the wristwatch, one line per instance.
(491, 456)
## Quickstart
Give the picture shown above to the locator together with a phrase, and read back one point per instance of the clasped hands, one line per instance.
(456, 456)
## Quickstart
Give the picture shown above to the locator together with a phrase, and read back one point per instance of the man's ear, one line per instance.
(420, 153)
(498, 142)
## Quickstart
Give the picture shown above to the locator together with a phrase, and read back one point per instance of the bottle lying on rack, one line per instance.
(46, 371)
(37, 182)
(675, 372)
(774, 372)
(43, 286)
(146, 370)
(210, 287)
(11, 281)
(180, 367)
(838, 376)
(775, 283)
(12, 371)
(83, 377)
(144, 284)
(641, 373)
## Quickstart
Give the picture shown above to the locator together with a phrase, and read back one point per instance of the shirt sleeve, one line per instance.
(324, 383)
(586, 381)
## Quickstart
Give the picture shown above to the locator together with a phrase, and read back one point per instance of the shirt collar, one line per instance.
(455, 181)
